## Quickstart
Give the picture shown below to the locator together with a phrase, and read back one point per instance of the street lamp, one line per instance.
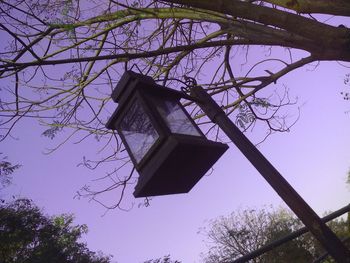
(171, 154)
(167, 148)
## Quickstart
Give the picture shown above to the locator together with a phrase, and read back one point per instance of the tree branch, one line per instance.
(334, 7)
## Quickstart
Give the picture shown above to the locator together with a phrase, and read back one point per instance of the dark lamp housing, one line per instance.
(167, 148)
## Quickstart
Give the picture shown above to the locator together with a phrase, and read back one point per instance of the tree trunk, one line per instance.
(329, 42)
(334, 7)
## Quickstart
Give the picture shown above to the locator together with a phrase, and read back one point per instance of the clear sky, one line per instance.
(314, 157)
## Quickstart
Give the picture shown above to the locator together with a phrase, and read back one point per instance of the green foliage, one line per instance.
(280, 224)
(51, 133)
(6, 169)
(244, 231)
(165, 259)
(28, 236)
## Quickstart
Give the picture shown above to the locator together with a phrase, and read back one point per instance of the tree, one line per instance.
(244, 231)
(62, 59)
(6, 170)
(27, 235)
(165, 259)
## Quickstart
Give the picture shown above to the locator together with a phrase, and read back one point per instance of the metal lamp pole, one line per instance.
(305, 213)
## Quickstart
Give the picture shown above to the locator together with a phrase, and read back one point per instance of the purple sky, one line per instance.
(314, 157)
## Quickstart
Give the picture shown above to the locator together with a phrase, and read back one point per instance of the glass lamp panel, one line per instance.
(138, 131)
(175, 118)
